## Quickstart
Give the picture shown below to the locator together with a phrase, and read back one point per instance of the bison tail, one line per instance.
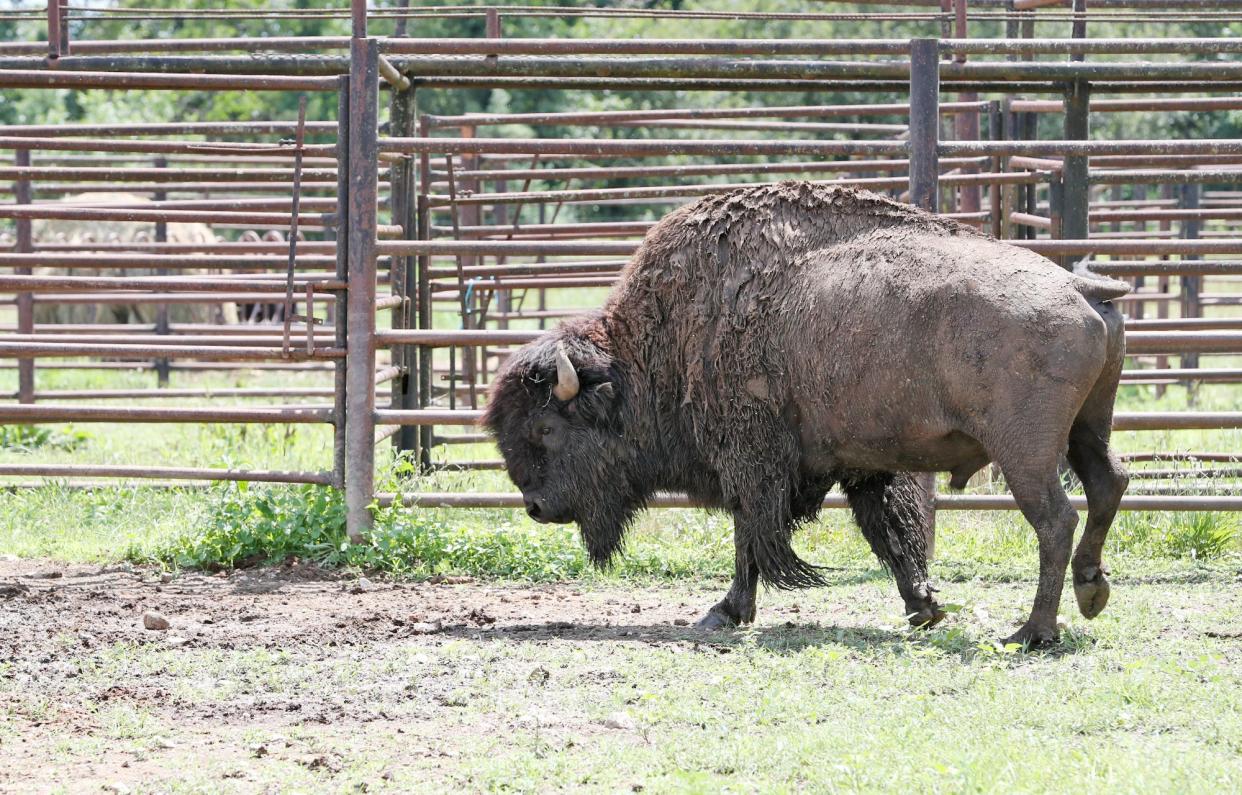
(780, 567)
(1094, 287)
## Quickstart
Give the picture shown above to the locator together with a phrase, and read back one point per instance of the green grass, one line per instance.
(240, 525)
(837, 697)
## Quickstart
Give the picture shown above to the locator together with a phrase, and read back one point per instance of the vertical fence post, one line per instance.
(162, 325)
(57, 30)
(925, 185)
(409, 438)
(1191, 285)
(340, 306)
(1075, 197)
(426, 360)
(64, 27)
(1000, 164)
(924, 122)
(403, 121)
(1162, 282)
(400, 122)
(1029, 199)
(1078, 28)
(25, 301)
(360, 336)
(965, 124)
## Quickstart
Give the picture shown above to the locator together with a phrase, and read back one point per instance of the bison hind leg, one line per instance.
(891, 512)
(1104, 481)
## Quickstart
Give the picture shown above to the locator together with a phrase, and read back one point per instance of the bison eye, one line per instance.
(544, 431)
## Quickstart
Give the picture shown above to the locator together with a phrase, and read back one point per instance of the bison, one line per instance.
(767, 344)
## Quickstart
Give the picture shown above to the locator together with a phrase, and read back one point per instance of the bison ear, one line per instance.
(595, 403)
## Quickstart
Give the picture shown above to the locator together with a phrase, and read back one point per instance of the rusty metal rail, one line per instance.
(477, 239)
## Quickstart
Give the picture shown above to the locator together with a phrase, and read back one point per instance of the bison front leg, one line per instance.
(891, 512)
(738, 605)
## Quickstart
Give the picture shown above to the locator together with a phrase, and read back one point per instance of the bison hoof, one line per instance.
(725, 615)
(1091, 589)
(925, 617)
(1033, 636)
(714, 621)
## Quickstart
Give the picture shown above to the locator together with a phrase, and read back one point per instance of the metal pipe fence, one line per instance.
(427, 247)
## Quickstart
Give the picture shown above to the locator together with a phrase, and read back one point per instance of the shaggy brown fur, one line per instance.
(765, 344)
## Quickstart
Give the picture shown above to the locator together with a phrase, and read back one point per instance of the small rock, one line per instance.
(176, 641)
(117, 787)
(155, 621)
(620, 720)
(426, 627)
(680, 622)
(444, 579)
(539, 676)
(320, 762)
(166, 577)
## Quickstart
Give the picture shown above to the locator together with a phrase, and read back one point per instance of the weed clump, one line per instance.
(29, 438)
(247, 525)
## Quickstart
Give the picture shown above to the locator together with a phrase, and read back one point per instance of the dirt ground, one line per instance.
(57, 620)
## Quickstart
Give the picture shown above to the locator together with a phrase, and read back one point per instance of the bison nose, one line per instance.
(535, 508)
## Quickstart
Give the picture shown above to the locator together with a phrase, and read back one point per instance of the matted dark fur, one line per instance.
(766, 344)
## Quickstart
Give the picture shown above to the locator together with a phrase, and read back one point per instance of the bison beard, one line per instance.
(602, 516)
(765, 345)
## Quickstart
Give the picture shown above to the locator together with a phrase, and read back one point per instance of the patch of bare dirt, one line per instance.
(61, 627)
(297, 606)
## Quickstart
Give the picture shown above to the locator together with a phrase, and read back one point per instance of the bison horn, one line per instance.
(566, 377)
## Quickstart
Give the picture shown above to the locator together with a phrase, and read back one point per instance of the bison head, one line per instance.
(556, 412)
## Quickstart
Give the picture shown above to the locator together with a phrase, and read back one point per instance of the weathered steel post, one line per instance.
(163, 367)
(924, 123)
(1075, 197)
(25, 300)
(340, 304)
(57, 28)
(360, 338)
(402, 272)
(425, 353)
(1191, 285)
(996, 205)
(966, 124)
(925, 182)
